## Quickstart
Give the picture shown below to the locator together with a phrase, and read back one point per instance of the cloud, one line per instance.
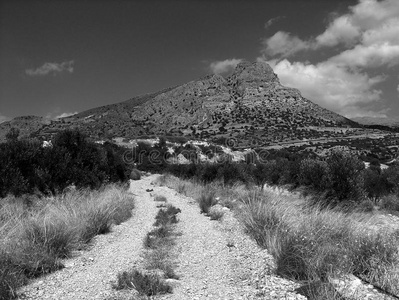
(54, 68)
(283, 44)
(224, 66)
(329, 85)
(272, 21)
(66, 114)
(371, 27)
(360, 44)
(372, 56)
(340, 30)
(3, 118)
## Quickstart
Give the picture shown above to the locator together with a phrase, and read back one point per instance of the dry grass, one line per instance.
(314, 245)
(158, 257)
(145, 284)
(310, 243)
(39, 234)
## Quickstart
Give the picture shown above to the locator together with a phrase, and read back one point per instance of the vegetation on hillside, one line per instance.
(30, 166)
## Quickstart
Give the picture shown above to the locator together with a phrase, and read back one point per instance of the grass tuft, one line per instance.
(206, 200)
(145, 284)
(159, 198)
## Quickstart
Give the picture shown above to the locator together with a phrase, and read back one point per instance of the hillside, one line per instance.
(250, 105)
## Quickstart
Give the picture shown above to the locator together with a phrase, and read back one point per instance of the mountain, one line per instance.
(391, 122)
(250, 106)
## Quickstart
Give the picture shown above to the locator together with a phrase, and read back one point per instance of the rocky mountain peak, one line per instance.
(255, 74)
(249, 76)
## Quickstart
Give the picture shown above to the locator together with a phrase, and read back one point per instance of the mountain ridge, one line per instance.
(250, 106)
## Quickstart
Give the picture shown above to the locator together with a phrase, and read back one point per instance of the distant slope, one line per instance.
(25, 124)
(250, 106)
(392, 122)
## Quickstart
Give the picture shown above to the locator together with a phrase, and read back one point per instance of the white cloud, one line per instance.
(54, 68)
(224, 66)
(368, 38)
(369, 14)
(340, 30)
(283, 44)
(66, 114)
(372, 56)
(272, 21)
(329, 85)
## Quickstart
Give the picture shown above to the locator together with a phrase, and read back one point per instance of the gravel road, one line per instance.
(214, 259)
(217, 260)
(89, 273)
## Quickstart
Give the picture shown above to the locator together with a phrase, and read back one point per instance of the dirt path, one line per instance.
(215, 259)
(88, 275)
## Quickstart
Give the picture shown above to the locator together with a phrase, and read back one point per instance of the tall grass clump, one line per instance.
(34, 237)
(206, 200)
(315, 244)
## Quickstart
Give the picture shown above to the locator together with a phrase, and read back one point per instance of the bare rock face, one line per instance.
(251, 76)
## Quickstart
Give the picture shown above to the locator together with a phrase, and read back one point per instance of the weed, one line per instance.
(181, 189)
(159, 198)
(145, 284)
(206, 200)
(215, 214)
(167, 216)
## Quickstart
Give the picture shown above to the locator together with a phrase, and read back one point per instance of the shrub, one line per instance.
(345, 173)
(135, 175)
(314, 173)
(167, 216)
(145, 284)
(390, 203)
(27, 167)
(206, 200)
(215, 214)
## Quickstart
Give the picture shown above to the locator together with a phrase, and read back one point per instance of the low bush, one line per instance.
(215, 214)
(167, 216)
(390, 203)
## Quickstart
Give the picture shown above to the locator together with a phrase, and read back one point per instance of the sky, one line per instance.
(60, 57)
